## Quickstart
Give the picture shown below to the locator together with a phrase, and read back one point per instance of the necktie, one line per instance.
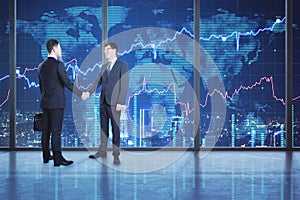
(108, 68)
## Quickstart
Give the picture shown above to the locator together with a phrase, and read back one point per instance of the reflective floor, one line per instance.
(160, 175)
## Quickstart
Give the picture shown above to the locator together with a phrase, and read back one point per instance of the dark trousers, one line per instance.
(107, 113)
(53, 119)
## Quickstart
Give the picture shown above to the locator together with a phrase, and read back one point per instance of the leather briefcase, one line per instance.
(38, 122)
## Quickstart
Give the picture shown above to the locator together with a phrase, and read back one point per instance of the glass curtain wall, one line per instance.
(76, 25)
(296, 76)
(246, 41)
(4, 76)
(156, 40)
(242, 70)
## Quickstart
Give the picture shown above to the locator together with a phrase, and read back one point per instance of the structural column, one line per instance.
(12, 72)
(289, 73)
(197, 74)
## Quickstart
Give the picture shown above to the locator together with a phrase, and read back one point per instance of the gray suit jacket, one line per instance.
(115, 85)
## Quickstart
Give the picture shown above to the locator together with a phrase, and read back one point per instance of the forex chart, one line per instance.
(242, 71)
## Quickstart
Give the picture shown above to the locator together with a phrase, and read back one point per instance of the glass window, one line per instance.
(156, 40)
(245, 40)
(4, 75)
(242, 71)
(76, 25)
(296, 75)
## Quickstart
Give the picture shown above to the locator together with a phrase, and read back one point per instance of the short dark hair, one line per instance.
(113, 45)
(50, 44)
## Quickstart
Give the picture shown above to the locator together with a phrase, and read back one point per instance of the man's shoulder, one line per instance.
(55, 64)
(54, 60)
(43, 63)
(121, 62)
(40, 65)
(60, 63)
(50, 60)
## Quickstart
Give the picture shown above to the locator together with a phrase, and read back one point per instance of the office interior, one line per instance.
(212, 109)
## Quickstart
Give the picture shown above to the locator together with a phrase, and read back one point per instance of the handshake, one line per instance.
(85, 96)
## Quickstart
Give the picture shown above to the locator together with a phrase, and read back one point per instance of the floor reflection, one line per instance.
(217, 175)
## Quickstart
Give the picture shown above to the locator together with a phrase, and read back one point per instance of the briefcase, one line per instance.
(38, 122)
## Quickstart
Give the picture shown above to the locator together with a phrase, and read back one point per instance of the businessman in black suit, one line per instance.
(53, 79)
(114, 78)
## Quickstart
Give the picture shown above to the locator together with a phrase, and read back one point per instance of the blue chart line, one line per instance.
(73, 65)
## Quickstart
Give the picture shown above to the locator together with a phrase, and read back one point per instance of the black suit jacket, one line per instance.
(53, 79)
(115, 85)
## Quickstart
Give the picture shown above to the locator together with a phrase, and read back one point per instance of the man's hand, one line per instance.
(118, 107)
(85, 96)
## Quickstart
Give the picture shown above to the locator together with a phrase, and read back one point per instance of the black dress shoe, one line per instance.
(47, 157)
(98, 154)
(116, 160)
(46, 160)
(63, 162)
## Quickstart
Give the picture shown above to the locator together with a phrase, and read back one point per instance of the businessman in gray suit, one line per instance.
(114, 79)
(53, 79)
